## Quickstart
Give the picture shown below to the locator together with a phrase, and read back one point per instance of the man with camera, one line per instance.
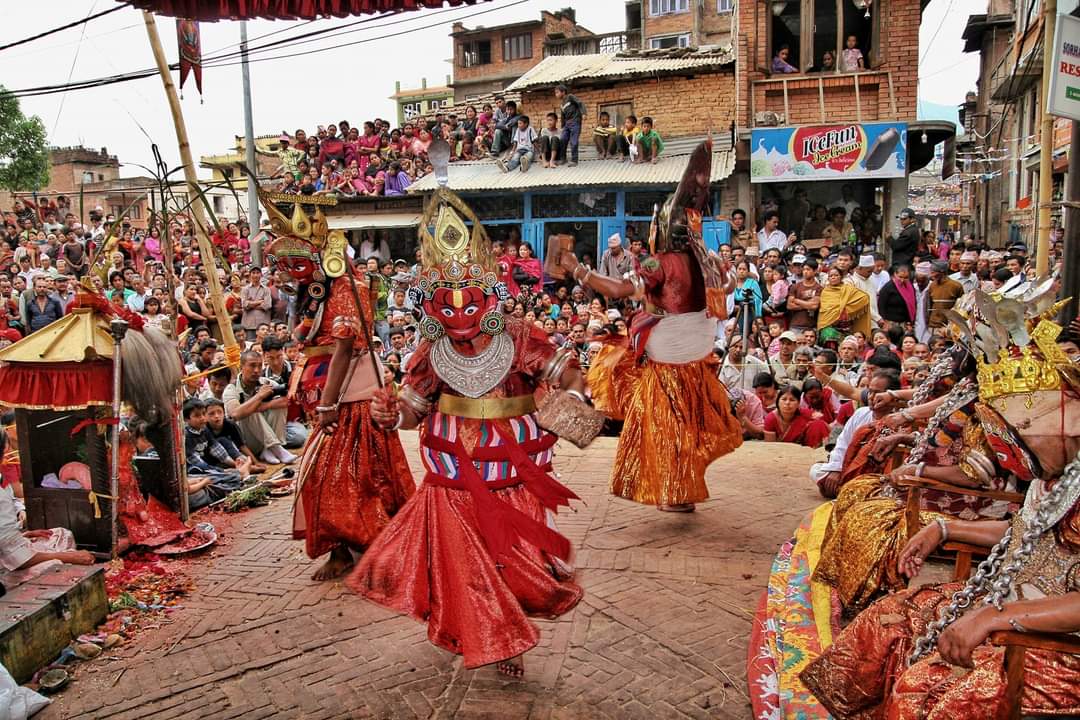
(259, 407)
(278, 371)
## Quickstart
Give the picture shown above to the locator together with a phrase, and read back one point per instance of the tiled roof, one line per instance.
(571, 69)
(590, 172)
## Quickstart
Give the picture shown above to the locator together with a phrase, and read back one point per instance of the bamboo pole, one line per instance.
(1046, 149)
(206, 250)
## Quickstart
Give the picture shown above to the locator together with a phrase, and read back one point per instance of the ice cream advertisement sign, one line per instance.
(828, 152)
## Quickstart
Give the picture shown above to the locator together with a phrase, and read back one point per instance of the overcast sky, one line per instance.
(351, 82)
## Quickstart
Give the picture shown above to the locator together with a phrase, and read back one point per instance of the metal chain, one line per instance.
(941, 369)
(1061, 497)
(962, 393)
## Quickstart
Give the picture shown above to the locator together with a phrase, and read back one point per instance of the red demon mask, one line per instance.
(460, 310)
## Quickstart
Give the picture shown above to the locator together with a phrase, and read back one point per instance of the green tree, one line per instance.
(24, 150)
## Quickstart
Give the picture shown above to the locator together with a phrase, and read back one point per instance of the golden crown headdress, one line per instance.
(454, 255)
(1013, 338)
(330, 244)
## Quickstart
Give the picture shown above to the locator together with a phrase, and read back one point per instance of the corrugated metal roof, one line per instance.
(366, 221)
(590, 172)
(572, 69)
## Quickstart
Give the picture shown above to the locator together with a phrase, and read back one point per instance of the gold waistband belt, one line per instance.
(491, 408)
(316, 350)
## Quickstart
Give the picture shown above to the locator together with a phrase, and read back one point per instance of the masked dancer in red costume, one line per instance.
(353, 476)
(475, 551)
(677, 415)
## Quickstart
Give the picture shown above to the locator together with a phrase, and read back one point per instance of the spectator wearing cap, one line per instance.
(739, 369)
(782, 364)
(906, 243)
(615, 262)
(944, 292)
(922, 301)
(862, 278)
(288, 158)
(881, 274)
(966, 275)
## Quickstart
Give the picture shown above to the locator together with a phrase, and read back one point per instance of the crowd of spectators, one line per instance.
(377, 160)
(807, 327)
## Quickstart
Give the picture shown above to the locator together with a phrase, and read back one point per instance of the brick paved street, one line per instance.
(661, 632)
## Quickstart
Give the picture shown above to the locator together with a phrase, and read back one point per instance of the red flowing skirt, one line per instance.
(432, 564)
(353, 482)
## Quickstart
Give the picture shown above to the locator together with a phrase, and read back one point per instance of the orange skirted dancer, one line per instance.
(475, 552)
(677, 415)
(353, 477)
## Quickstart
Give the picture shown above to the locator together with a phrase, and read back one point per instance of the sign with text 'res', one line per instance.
(828, 152)
(1064, 98)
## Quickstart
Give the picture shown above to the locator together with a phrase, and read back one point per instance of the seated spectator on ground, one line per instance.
(260, 411)
(766, 389)
(212, 474)
(791, 424)
(226, 432)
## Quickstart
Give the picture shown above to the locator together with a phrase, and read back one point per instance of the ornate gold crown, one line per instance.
(315, 230)
(454, 256)
(1037, 367)
(1013, 338)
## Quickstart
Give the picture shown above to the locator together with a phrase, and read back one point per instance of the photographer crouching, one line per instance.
(259, 406)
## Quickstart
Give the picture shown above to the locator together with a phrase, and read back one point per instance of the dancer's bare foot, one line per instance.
(512, 668)
(339, 563)
(677, 507)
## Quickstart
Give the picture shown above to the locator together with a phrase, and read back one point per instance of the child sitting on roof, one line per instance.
(649, 143)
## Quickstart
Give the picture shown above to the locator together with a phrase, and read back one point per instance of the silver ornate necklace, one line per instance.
(473, 375)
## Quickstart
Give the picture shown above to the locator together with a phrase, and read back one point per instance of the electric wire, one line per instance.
(222, 60)
(76, 23)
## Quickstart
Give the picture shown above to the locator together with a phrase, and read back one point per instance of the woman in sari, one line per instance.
(527, 271)
(791, 424)
(367, 145)
(844, 308)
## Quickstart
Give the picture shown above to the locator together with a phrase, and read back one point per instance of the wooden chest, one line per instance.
(40, 618)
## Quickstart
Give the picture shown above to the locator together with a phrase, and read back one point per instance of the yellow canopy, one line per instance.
(79, 336)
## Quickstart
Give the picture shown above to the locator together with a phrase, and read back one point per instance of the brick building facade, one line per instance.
(682, 23)
(679, 106)
(486, 60)
(88, 179)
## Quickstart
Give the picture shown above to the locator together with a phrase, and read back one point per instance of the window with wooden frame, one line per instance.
(725, 7)
(476, 52)
(812, 29)
(617, 111)
(517, 47)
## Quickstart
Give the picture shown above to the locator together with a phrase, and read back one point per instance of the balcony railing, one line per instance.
(593, 44)
(863, 96)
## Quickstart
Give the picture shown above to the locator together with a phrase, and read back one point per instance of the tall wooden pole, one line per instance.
(206, 250)
(1046, 150)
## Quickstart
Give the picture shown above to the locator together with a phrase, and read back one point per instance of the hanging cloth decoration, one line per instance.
(190, 45)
